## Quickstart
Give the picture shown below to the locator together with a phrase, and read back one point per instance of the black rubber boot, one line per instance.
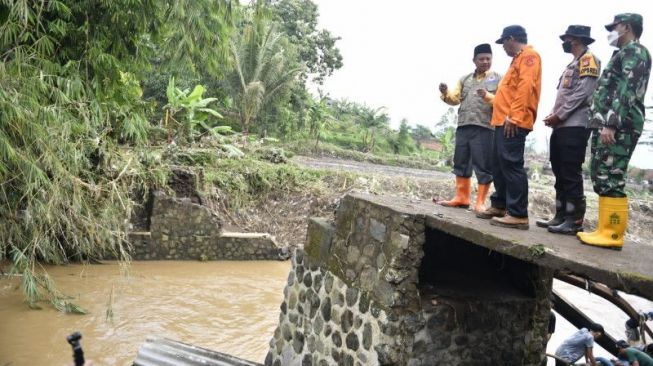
(559, 217)
(574, 215)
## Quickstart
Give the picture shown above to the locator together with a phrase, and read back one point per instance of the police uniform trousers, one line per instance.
(510, 178)
(567, 153)
(610, 162)
(473, 151)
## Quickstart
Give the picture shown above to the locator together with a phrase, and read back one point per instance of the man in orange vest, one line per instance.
(515, 110)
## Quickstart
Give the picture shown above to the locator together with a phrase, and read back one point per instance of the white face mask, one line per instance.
(613, 38)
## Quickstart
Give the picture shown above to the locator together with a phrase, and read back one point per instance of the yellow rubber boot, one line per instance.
(613, 220)
(585, 236)
(588, 234)
(481, 196)
(463, 192)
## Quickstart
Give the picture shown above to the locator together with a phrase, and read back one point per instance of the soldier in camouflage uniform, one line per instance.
(617, 117)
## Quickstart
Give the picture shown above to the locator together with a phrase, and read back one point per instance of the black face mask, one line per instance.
(566, 46)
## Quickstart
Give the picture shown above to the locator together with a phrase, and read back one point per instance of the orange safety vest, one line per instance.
(519, 91)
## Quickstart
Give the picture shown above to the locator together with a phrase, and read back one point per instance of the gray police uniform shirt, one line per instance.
(575, 89)
(573, 348)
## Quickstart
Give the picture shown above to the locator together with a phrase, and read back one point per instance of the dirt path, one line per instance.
(367, 168)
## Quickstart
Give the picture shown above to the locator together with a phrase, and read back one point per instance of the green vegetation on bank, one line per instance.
(71, 78)
(98, 99)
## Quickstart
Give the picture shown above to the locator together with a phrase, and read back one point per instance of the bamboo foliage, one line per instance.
(55, 205)
(69, 95)
(200, 35)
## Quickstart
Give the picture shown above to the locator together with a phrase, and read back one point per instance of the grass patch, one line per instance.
(537, 250)
(244, 181)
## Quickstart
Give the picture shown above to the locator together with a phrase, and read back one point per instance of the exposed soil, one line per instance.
(285, 214)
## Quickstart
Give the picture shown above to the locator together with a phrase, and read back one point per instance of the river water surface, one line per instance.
(231, 307)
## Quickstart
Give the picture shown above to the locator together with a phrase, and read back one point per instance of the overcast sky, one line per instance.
(397, 52)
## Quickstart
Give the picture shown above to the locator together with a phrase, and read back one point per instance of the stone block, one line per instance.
(319, 238)
(352, 341)
(377, 230)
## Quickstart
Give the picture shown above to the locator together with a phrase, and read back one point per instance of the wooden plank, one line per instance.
(608, 294)
(580, 320)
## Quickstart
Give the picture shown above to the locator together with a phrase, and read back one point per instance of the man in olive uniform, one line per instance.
(570, 121)
(474, 134)
(618, 119)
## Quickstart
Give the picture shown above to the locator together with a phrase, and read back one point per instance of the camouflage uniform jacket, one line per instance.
(618, 101)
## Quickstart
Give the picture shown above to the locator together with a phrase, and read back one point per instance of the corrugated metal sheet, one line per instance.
(158, 351)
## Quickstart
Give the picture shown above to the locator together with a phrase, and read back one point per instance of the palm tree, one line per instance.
(262, 65)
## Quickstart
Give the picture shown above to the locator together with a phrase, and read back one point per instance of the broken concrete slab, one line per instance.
(629, 270)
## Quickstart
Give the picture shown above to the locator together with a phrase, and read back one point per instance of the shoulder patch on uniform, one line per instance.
(529, 60)
(588, 66)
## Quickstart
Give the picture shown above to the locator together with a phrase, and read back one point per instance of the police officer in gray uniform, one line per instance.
(569, 120)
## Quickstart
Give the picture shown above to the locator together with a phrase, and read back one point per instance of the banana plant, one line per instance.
(448, 140)
(188, 112)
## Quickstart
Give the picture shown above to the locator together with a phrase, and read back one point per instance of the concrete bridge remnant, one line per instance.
(383, 285)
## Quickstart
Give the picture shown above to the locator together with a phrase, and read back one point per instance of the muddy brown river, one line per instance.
(231, 307)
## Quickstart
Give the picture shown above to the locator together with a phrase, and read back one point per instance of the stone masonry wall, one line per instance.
(354, 298)
(476, 332)
(480, 307)
(325, 322)
(181, 229)
(374, 254)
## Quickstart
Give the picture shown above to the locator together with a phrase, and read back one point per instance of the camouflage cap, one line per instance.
(630, 18)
